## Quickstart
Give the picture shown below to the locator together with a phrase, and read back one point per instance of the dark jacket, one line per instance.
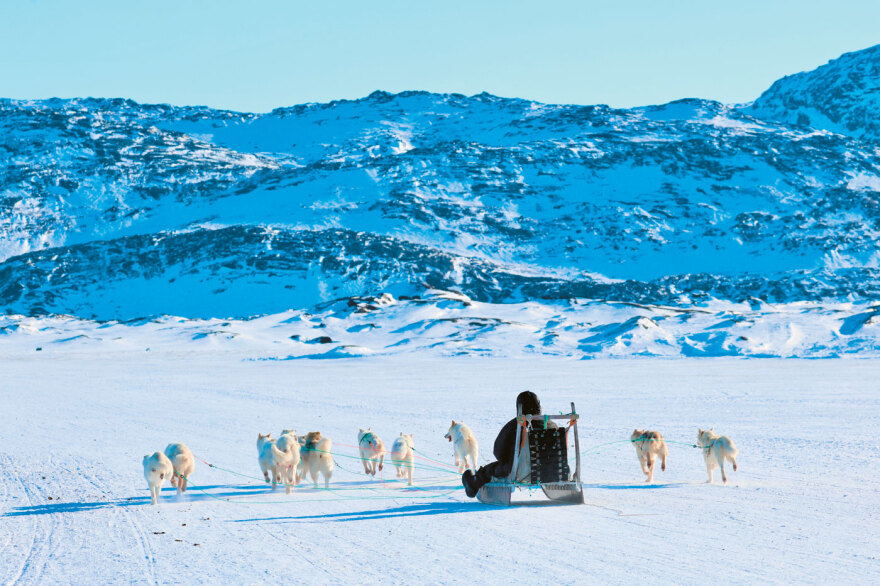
(505, 443)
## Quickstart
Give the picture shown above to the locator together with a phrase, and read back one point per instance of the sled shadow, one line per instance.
(417, 510)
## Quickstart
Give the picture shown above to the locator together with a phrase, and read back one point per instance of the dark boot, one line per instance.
(471, 486)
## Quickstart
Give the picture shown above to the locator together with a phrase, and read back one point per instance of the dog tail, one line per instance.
(730, 448)
(323, 448)
(279, 453)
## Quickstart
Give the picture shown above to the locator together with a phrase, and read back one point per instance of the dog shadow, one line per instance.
(168, 495)
(639, 486)
(59, 508)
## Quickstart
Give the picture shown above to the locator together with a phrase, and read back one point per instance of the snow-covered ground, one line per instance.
(74, 507)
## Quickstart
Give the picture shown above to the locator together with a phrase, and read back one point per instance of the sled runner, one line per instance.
(540, 460)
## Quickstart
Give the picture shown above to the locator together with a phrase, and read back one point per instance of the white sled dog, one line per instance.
(372, 451)
(266, 457)
(716, 449)
(316, 457)
(304, 458)
(649, 447)
(156, 469)
(183, 462)
(465, 446)
(286, 452)
(403, 456)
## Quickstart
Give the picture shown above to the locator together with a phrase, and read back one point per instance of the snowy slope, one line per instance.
(448, 324)
(74, 506)
(841, 96)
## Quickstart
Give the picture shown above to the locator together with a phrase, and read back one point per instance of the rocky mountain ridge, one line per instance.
(110, 209)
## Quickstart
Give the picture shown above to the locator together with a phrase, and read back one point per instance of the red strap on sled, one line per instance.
(525, 429)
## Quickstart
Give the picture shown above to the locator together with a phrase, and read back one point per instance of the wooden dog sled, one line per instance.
(540, 459)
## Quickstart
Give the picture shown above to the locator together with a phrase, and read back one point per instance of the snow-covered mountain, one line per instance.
(111, 209)
(841, 96)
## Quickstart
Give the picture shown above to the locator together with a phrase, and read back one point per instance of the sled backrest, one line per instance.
(544, 449)
(548, 455)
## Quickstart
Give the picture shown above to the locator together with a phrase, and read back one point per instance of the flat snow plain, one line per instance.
(74, 508)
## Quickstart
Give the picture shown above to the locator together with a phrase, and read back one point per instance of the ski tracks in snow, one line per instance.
(137, 531)
(61, 498)
(27, 557)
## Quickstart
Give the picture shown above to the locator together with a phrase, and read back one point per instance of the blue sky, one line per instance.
(258, 55)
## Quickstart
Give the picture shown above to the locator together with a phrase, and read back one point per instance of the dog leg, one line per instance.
(650, 469)
(663, 461)
(381, 461)
(409, 472)
(174, 479)
(719, 457)
(642, 464)
(153, 494)
(709, 471)
(733, 460)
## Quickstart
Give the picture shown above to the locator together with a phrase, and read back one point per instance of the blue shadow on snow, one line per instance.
(416, 510)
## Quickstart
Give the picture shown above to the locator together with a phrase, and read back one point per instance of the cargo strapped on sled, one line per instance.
(545, 465)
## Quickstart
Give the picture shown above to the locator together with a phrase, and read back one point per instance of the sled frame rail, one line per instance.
(499, 492)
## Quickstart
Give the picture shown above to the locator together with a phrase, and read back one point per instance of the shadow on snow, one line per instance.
(415, 510)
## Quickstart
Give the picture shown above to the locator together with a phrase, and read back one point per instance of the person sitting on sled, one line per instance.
(504, 448)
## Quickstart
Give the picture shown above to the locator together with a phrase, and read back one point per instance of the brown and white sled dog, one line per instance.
(266, 457)
(372, 451)
(287, 458)
(649, 447)
(316, 457)
(403, 456)
(464, 444)
(716, 449)
(183, 462)
(156, 469)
